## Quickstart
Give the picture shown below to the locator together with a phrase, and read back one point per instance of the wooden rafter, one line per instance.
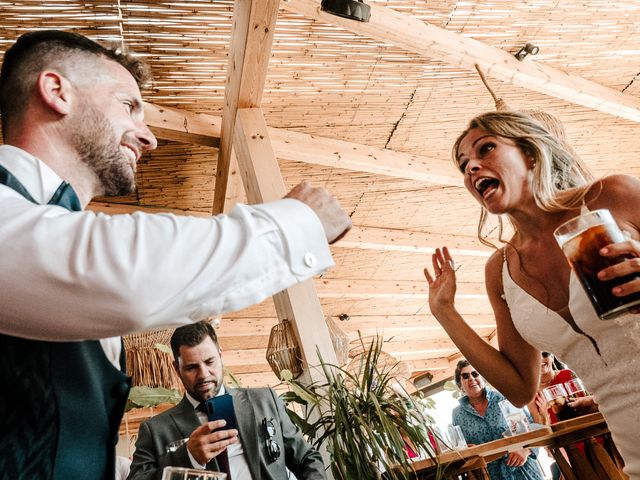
(202, 129)
(251, 39)
(414, 35)
(263, 182)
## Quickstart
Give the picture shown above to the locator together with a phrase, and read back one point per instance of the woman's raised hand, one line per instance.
(442, 285)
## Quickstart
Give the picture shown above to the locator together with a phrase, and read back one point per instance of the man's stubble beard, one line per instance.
(97, 146)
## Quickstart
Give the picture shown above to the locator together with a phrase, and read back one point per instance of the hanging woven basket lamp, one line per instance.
(283, 351)
(340, 341)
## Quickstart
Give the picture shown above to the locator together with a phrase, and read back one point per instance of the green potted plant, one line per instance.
(363, 417)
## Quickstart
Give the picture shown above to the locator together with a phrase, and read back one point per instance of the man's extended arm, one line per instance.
(140, 271)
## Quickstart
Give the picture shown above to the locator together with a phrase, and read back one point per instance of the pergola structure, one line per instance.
(250, 97)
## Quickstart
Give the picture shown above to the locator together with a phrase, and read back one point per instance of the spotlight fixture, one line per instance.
(353, 9)
(343, 317)
(528, 49)
(422, 380)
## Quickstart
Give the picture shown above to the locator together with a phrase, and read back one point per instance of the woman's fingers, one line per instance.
(435, 263)
(428, 276)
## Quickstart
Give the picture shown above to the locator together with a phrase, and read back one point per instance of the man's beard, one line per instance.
(97, 146)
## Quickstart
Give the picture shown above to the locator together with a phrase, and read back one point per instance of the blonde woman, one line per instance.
(515, 168)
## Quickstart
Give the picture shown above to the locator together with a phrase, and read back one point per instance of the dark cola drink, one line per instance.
(561, 409)
(581, 240)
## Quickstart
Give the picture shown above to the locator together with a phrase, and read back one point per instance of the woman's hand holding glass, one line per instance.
(630, 250)
(442, 285)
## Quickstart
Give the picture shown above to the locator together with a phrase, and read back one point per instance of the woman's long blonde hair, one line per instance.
(560, 178)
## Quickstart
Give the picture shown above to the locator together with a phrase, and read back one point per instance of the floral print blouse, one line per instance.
(481, 429)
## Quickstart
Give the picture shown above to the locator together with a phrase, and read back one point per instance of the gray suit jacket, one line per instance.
(251, 406)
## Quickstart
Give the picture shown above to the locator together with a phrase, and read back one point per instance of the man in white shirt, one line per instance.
(265, 444)
(71, 280)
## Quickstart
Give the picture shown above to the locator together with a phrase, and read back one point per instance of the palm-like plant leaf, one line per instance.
(356, 414)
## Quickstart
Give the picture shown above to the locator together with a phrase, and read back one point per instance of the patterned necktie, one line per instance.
(223, 463)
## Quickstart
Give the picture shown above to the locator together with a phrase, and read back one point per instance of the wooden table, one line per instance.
(601, 462)
(474, 459)
(597, 459)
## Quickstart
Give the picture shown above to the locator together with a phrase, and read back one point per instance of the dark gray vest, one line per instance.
(61, 402)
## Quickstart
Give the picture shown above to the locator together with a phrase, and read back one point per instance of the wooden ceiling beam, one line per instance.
(413, 35)
(203, 129)
(251, 38)
(263, 182)
(182, 125)
(372, 238)
(342, 288)
(302, 147)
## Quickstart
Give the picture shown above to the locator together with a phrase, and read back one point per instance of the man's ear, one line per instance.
(176, 366)
(54, 91)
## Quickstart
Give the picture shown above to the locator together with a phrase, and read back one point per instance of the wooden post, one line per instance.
(263, 182)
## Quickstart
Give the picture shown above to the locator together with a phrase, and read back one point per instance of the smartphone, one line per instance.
(221, 408)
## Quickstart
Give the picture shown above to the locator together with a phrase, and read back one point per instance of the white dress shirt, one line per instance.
(80, 275)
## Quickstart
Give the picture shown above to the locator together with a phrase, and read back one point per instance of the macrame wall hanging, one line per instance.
(148, 365)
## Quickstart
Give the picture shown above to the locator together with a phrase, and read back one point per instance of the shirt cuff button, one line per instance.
(310, 260)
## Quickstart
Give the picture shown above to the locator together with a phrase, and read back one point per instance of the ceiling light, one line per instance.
(528, 49)
(353, 9)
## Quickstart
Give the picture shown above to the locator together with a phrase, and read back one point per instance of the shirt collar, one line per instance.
(36, 176)
(195, 402)
(464, 400)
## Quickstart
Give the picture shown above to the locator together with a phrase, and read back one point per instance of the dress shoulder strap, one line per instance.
(583, 207)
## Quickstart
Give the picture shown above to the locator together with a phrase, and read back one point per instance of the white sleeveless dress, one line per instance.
(612, 374)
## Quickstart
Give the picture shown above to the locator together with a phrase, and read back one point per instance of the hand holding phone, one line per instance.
(221, 408)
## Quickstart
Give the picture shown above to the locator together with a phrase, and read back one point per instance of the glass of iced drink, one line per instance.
(581, 239)
(180, 473)
(556, 397)
(575, 388)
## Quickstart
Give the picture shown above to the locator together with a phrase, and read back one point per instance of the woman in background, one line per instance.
(481, 421)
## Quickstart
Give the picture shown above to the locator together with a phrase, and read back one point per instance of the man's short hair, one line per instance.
(191, 336)
(34, 52)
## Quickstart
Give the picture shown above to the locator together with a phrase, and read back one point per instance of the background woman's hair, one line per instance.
(461, 364)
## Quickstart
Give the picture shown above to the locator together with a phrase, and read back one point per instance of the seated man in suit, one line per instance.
(264, 446)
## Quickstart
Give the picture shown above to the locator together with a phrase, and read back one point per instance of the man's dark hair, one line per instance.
(191, 336)
(461, 364)
(36, 51)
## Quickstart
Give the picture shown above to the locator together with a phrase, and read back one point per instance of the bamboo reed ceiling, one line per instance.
(336, 82)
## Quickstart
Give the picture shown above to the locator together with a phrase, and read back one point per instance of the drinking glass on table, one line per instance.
(515, 417)
(456, 437)
(556, 397)
(179, 473)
